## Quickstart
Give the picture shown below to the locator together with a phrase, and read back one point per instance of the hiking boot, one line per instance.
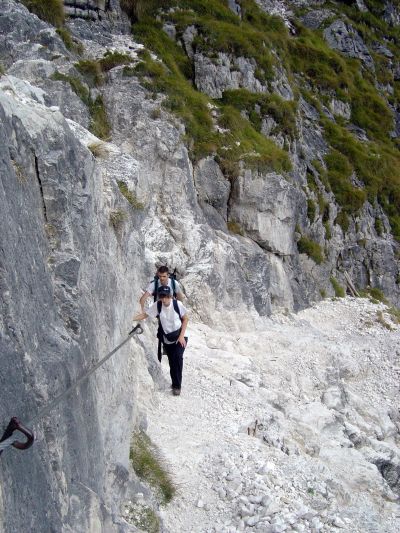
(176, 392)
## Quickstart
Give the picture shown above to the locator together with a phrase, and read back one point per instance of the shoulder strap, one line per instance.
(155, 288)
(173, 280)
(159, 304)
(173, 288)
(176, 307)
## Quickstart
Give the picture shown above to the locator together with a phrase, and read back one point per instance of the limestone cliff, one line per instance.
(101, 181)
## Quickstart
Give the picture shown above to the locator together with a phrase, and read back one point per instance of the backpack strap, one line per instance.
(160, 331)
(176, 307)
(173, 282)
(156, 280)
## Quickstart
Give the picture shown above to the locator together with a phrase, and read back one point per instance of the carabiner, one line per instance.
(15, 425)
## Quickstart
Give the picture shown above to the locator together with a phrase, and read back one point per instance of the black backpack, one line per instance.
(173, 336)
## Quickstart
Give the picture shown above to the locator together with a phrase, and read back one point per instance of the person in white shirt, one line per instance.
(173, 319)
(163, 281)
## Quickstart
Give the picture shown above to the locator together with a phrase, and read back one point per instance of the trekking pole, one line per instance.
(8, 439)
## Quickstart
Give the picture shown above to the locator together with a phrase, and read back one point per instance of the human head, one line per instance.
(162, 274)
(164, 293)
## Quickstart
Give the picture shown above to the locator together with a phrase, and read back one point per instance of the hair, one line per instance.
(163, 269)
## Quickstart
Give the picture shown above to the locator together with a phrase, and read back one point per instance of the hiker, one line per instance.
(173, 320)
(163, 279)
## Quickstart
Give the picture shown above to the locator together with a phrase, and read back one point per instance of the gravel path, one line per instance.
(285, 427)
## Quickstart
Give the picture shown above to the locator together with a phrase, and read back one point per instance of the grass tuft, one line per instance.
(77, 86)
(129, 195)
(99, 149)
(149, 466)
(339, 290)
(91, 69)
(99, 124)
(72, 44)
(117, 218)
(113, 59)
(51, 11)
(307, 246)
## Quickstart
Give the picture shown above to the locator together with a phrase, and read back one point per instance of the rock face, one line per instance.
(75, 250)
(89, 9)
(264, 206)
(213, 77)
(343, 37)
(391, 14)
(57, 264)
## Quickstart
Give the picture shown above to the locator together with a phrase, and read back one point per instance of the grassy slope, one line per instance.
(322, 72)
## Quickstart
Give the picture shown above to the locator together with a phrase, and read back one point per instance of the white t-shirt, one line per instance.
(169, 317)
(150, 288)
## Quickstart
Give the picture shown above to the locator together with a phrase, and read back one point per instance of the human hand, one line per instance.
(182, 341)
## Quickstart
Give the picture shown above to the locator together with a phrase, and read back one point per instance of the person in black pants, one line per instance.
(173, 321)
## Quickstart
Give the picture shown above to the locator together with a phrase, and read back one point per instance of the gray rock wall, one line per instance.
(68, 283)
(74, 255)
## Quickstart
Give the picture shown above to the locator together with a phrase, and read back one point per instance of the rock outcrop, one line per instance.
(86, 219)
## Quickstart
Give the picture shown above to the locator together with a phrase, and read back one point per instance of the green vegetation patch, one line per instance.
(340, 170)
(149, 466)
(356, 171)
(231, 139)
(113, 59)
(339, 290)
(259, 105)
(91, 69)
(77, 86)
(395, 313)
(307, 246)
(376, 164)
(72, 44)
(117, 218)
(375, 294)
(137, 9)
(311, 210)
(325, 69)
(129, 195)
(51, 11)
(99, 124)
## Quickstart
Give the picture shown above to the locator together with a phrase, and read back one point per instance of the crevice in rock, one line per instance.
(390, 473)
(41, 189)
(86, 8)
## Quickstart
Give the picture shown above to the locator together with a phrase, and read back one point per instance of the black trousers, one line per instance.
(175, 359)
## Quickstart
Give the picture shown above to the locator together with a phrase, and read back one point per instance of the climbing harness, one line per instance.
(8, 439)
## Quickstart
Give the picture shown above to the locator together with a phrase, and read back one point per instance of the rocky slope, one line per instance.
(104, 175)
(291, 425)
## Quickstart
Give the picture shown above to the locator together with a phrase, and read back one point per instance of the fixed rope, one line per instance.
(8, 439)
